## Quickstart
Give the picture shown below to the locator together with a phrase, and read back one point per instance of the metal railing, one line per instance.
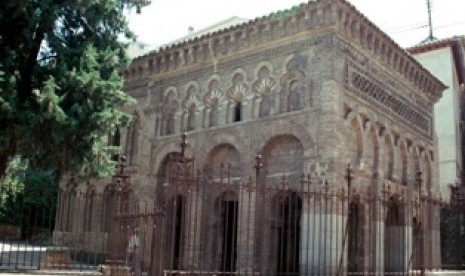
(219, 225)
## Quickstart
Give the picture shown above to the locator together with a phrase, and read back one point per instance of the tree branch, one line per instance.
(28, 65)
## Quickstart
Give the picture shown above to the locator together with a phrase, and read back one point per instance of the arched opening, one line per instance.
(237, 115)
(355, 242)
(394, 238)
(236, 95)
(293, 86)
(174, 232)
(212, 101)
(169, 109)
(418, 246)
(288, 210)
(263, 87)
(294, 97)
(222, 161)
(227, 210)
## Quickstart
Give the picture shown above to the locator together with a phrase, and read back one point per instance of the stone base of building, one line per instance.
(56, 258)
(115, 270)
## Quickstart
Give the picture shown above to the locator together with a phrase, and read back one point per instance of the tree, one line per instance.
(60, 91)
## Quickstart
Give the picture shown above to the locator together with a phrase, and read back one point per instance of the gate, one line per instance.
(287, 224)
(74, 228)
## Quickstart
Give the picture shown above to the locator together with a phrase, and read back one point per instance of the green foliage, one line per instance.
(452, 229)
(285, 13)
(28, 198)
(60, 91)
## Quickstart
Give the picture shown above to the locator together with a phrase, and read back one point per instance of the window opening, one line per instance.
(238, 112)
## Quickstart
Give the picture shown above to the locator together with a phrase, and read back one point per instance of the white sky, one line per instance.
(404, 20)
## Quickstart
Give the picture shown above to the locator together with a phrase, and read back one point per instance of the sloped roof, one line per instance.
(457, 45)
(232, 21)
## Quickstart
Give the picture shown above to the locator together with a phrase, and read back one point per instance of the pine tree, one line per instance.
(60, 91)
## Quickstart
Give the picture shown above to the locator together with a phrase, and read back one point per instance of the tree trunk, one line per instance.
(3, 164)
(28, 65)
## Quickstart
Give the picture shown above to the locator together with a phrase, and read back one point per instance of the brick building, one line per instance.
(311, 89)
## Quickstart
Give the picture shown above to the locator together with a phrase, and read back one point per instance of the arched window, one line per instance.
(189, 108)
(237, 112)
(237, 94)
(263, 89)
(294, 96)
(169, 109)
(293, 86)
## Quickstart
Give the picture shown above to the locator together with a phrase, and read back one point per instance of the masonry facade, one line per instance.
(311, 90)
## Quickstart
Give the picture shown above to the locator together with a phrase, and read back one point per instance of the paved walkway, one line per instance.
(44, 272)
(17, 258)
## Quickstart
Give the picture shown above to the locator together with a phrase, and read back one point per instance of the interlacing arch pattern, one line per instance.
(373, 145)
(239, 97)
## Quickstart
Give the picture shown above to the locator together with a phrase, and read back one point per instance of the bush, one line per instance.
(28, 199)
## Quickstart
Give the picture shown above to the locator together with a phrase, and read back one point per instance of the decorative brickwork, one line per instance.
(310, 91)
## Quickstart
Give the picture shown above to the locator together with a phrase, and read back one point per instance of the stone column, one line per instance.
(177, 123)
(327, 223)
(247, 110)
(223, 113)
(246, 232)
(206, 118)
(321, 240)
(377, 236)
(229, 112)
(398, 248)
(256, 108)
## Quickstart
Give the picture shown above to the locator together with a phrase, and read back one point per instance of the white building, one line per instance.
(445, 59)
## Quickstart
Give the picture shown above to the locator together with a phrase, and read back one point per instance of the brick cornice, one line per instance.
(315, 15)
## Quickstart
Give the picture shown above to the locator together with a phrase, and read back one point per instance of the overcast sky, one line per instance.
(404, 20)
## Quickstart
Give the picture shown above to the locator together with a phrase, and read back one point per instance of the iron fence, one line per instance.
(222, 225)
